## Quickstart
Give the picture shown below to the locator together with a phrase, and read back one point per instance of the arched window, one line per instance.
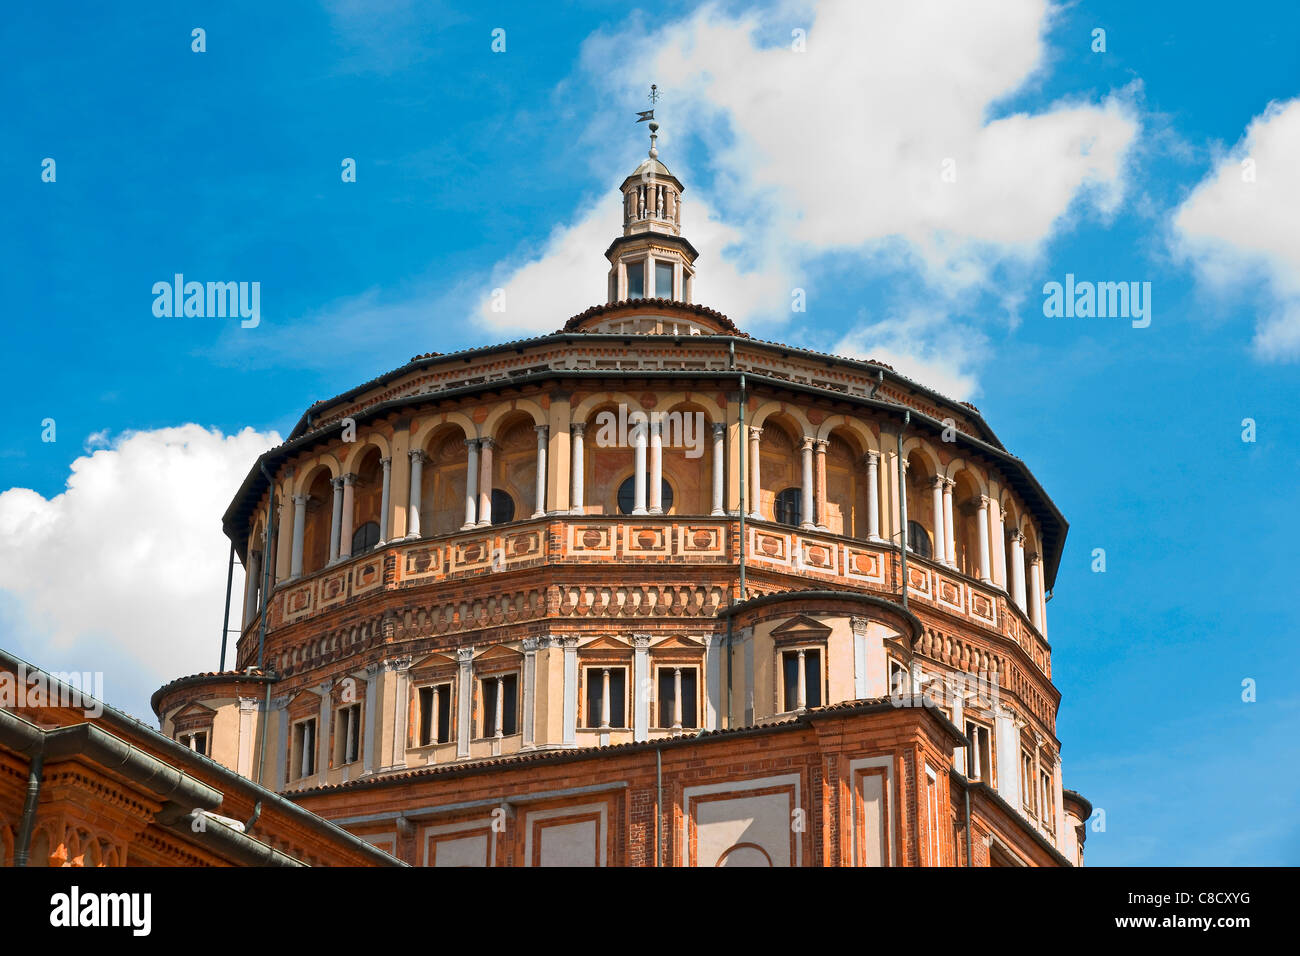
(789, 507)
(503, 507)
(918, 539)
(627, 495)
(365, 538)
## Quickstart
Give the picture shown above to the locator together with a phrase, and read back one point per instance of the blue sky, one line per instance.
(479, 170)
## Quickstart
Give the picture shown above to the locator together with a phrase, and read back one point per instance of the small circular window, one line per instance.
(365, 537)
(918, 539)
(503, 507)
(789, 507)
(627, 496)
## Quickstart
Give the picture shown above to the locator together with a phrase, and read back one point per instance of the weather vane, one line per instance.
(644, 115)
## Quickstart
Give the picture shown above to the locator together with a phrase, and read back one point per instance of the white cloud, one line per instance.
(925, 346)
(125, 571)
(840, 150)
(1239, 231)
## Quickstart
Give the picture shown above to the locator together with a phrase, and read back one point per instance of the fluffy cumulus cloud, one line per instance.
(1238, 226)
(909, 342)
(125, 571)
(875, 141)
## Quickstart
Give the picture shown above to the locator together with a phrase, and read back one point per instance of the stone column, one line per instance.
(719, 462)
(641, 683)
(349, 507)
(801, 692)
(806, 519)
(530, 691)
(1035, 591)
(638, 466)
(872, 461)
(950, 540)
(543, 436)
(384, 503)
(985, 563)
(677, 698)
(656, 465)
(486, 445)
(253, 579)
(497, 730)
(755, 483)
(336, 519)
(604, 698)
(570, 717)
(576, 431)
(471, 482)
(819, 447)
(999, 544)
(299, 529)
(1018, 569)
(417, 487)
(464, 699)
(940, 554)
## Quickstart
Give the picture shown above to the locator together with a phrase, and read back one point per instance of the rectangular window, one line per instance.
(932, 803)
(899, 685)
(979, 756)
(636, 280)
(667, 715)
(802, 687)
(1046, 801)
(435, 714)
(506, 709)
(663, 279)
(347, 734)
(597, 679)
(1027, 782)
(197, 741)
(303, 763)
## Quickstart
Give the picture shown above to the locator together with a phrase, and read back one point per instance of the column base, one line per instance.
(717, 513)
(639, 511)
(539, 514)
(656, 511)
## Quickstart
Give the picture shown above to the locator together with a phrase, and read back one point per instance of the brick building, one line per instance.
(648, 591)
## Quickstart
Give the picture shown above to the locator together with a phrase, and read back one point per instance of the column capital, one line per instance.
(464, 655)
(349, 479)
(719, 429)
(386, 463)
(531, 644)
(1034, 557)
(808, 442)
(985, 501)
(484, 444)
(871, 458)
(419, 455)
(821, 444)
(940, 481)
(577, 428)
(543, 431)
(755, 432)
(301, 499)
(1018, 538)
(641, 641)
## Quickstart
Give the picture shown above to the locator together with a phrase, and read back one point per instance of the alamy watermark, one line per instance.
(1102, 300)
(212, 300)
(77, 690)
(676, 429)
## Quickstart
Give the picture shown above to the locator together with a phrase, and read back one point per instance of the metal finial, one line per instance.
(654, 94)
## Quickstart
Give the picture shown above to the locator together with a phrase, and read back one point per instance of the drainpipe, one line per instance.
(969, 860)
(902, 504)
(266, 603)
(23, 845)
(225, 623)
(659, 807)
